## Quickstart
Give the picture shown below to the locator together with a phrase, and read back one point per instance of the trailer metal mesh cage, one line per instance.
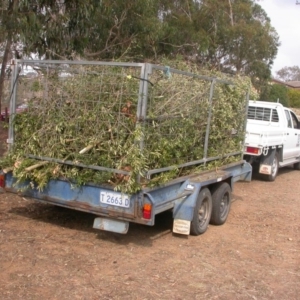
(127, 124)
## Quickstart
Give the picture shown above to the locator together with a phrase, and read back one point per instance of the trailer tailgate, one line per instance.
(89, 198)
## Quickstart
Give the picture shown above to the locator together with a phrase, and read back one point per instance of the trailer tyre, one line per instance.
(221, 199)
(202, 212)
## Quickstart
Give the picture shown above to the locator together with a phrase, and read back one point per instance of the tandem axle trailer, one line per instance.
(195, 200)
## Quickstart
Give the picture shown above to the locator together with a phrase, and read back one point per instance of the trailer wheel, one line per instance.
(274, 169)
(221, 200)
(202, 212)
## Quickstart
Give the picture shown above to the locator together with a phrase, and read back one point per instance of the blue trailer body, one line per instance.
(179, 195)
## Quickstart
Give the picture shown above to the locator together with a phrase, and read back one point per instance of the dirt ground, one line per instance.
(47, 252)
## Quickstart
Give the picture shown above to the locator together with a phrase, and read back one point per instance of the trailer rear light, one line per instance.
(147, 211)
(2, 180)
(252, 150)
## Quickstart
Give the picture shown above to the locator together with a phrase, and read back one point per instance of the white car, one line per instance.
(272, 138)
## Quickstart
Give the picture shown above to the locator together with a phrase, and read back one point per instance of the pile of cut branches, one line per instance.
(88, 122)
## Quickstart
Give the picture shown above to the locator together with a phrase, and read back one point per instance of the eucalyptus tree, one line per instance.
(234, 36)
(6, 37)
(231, 35)
(182, 31)
(289, 73)
(39, 27)
(241, 36)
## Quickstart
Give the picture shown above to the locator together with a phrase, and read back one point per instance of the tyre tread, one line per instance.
(218, 193)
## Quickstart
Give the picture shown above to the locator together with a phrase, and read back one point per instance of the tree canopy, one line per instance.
(232, 36)
(289, 73)
(294, 98)
(276, 92)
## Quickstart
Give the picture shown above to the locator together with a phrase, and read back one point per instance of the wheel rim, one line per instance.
(274, 167)
(224, 205)
(203, 213)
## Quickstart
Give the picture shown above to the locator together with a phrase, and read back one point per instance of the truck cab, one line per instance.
(272, 138)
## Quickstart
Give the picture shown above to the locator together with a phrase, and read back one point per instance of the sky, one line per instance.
(285, 18)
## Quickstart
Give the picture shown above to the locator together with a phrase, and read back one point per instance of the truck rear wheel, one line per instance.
(202, 212)
(297, 166)
(221, 200)
(274, 169)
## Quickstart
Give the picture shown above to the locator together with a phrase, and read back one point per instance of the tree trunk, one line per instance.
(3, 68)
(230, 12)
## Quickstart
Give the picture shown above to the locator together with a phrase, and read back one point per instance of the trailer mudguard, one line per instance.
(184, 207)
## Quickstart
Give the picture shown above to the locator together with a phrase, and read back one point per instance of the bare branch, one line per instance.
(230, 14)
(129, 40)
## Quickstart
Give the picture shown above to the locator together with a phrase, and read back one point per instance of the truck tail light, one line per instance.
(2, 180)
(147, 211)
(252, 150)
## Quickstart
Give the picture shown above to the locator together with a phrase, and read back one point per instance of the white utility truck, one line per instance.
(272, 138)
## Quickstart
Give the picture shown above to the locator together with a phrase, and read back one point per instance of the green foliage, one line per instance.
(275, 92)
(97, 108)
(294, 98)
(241, 35)
(233, 36)
(36, 86)
(260, 74)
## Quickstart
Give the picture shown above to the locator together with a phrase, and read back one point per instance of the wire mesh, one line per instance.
(177, 118)
(73, 107)
(192, 119)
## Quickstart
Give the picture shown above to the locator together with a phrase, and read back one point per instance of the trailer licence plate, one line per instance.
(115, 199)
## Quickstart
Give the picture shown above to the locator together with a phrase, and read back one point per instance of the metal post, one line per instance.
(12, 102)
(246, 117)
(143, 97)
(211, 93)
